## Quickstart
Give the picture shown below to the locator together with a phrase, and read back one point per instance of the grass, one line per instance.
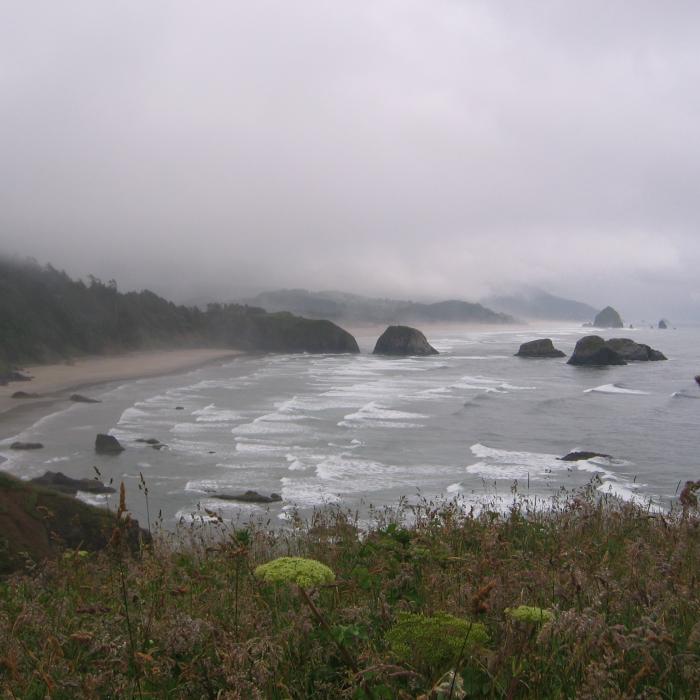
(423, 603)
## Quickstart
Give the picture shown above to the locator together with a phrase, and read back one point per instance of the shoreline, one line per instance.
(54, 383)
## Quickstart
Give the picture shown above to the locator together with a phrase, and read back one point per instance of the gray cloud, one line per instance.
(417, 148)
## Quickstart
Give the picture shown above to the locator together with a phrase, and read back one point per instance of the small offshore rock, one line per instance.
(26, 446)
(248, 497)
(697, 379)
(543, 347)
(148, 441)
(608, 318)
(79, 398)
(24, 395)
(179, 408)
(107, 444)
(66, 484)
(577, 456)
(663, 324)
(403, 340)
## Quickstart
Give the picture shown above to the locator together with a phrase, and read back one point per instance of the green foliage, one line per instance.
(623, 581)
(47, 316)
(528, 613)
(433, 642)
(306, 573)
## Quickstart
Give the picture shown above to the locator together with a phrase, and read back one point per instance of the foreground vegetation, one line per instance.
(593, 599)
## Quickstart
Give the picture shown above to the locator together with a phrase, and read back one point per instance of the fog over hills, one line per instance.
(356, 308)
(415, 150)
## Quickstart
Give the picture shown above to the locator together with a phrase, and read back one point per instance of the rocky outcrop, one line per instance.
(697, 379)
(26, 446)
(248, 497)
(593, 350)
(578, 456)
(633, 351)
(663, 324)
(38, 523)
(403, 340)
(79, 398)
(155, 443)
(542, 347)
(24, 395)
(608, 318)
(13, 376)
(107, 444)
(58, 481)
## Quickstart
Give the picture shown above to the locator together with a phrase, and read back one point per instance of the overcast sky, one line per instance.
(412, 148)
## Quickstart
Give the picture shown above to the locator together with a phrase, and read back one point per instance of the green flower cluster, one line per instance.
(529, 613)
(433, 642)
(306, 573)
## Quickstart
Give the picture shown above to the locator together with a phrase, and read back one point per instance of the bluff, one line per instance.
(37, 522)
(46, 316)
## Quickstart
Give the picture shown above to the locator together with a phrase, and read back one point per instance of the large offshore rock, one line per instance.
(593, 350)
(403, 340)
(608, 318)
(543, 347)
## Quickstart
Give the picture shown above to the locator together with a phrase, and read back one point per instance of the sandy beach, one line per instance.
(55, 383)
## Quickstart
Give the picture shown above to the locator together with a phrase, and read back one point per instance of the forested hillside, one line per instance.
(45, 316)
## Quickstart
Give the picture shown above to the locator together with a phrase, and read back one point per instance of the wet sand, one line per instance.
(55, 383)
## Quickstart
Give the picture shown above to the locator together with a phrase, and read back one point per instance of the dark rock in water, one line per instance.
(65, 484)
(179, 408)
(26, 446)
(148, 441)
(539, 348)
(24, 395)
(608, 318)
(403, 340)
(79, 398)
(697, 379)
(663, 324)
(248, 497)
(592, 350)
(107, 444)
(633, 351)
(578, 456)
(37, 522)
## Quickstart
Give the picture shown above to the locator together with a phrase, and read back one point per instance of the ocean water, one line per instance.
(474, 422)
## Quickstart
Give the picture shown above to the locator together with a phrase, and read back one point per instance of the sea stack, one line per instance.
(543, 347)
(403, 340)
(608, 318)
(663, 324)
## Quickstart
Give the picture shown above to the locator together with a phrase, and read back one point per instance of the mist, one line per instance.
(411, 149)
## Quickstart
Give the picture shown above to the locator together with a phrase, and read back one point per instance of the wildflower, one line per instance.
(433, 642)
(529, 613)
(306, 573)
